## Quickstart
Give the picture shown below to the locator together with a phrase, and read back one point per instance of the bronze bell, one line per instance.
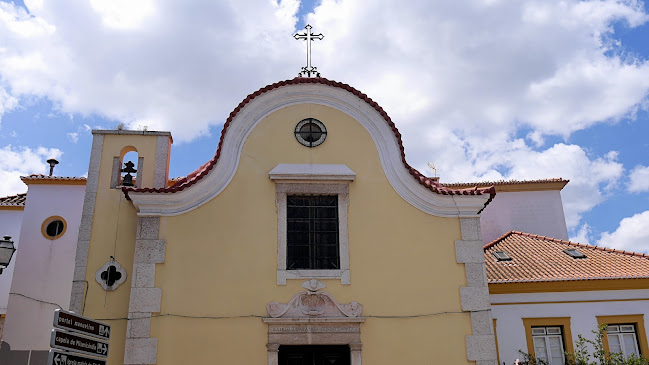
(127, 180)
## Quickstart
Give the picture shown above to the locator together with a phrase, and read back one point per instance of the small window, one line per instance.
(572, 252)
(310, 132)
(548, 344)
(53, 227)
(622, 339)
(502, 256)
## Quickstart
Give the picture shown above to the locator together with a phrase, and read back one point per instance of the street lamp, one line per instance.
(7, 250)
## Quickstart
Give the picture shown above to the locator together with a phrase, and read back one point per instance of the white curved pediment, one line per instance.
(211, 185)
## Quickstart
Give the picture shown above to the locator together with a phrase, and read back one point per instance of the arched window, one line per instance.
(128, 169)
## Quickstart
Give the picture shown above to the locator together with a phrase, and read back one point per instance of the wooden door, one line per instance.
(314, 355)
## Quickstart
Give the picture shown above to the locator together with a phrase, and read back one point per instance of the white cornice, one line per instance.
(316, 172)
(170, 204)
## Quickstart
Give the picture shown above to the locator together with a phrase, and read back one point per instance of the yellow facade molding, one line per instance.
(636, 319)
(538, 186)
(564, 322)
(12, 207)
(29, 181)
(573, 301)
(568, 285)
(515, 186)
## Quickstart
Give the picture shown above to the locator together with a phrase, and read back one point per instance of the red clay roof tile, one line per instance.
(33, 177)
(537, 258)
(17, 200)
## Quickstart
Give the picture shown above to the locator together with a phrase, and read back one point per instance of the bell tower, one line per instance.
(110, 223)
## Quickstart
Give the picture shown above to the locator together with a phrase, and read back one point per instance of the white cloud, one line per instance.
(21, 161)
(123, 14)
(591, 178)
(467, 76)
(73, 137)
(7, 102)
(168, 65)
(639, 179)
(583, 234)
(631, 235)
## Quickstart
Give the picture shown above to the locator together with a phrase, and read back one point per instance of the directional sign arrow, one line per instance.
(62, 358)
(87, 326)
(72, 342)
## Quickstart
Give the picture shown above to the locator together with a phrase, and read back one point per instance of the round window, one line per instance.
(53, 227)
(310, 132)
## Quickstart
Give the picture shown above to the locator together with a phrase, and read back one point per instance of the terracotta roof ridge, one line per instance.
(537, 280)
(565, 242)
(47, 177)
(497, 240)
(17, 200)
(428, 183)
(507, 182)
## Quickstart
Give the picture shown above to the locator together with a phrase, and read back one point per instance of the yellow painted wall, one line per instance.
(221, 258)
(113, 213)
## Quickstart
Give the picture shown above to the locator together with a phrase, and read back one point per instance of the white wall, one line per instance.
(44, 268)
(10, 221)
(509, 323)
(535, 212)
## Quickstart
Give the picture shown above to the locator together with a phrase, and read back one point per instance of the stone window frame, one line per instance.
(338, 188)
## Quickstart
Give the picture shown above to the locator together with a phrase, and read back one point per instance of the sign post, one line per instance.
(78, 337)
(87, 326)
(72, 342)
(63, 358)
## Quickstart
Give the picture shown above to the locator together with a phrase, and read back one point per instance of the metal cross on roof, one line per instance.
(308, 70)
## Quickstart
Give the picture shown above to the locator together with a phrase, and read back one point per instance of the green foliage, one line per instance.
(529, 359)
(583, 357)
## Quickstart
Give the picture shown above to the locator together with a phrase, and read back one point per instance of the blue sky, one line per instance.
(485, 90)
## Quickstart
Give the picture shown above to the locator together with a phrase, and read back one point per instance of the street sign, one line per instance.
(71, 342)
(87, 326)
(62, 358)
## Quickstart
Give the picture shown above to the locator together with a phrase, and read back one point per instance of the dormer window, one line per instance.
(502, 256)
(574, 253)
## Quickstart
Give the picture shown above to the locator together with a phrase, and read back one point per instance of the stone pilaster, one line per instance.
(145, 297)
(481, 344)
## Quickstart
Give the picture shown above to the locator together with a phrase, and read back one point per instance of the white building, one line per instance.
(11, 217)
(532, 206)
(43, 265)
(545, 292)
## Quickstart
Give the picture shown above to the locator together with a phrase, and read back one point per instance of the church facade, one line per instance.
(307, 238)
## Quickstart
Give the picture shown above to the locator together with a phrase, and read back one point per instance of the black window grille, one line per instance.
(54, 228)
(312, 232)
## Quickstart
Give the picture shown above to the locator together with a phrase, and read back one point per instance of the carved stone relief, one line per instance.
(313, 303)
(314, 317)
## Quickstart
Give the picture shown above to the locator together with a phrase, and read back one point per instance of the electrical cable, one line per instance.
(260, 316)
(34, 299)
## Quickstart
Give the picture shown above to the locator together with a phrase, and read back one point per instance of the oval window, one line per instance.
(53, 227)
(310, 132)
